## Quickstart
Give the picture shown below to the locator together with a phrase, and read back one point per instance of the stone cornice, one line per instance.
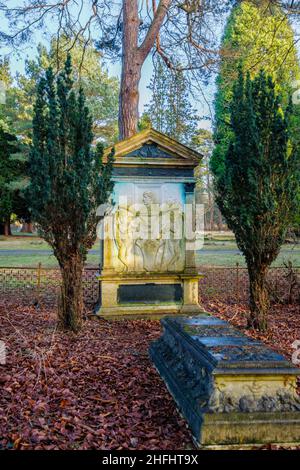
(124, 147)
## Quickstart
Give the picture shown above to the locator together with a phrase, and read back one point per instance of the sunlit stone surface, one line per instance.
(148, 256)
(232, 390)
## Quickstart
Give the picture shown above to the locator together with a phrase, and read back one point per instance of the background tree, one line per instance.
(170, 110)
(14, 155)
(257, 189)
(21, 207)
(9, 112)
(68, 183)
(12, 178)
(101, 90)
(203, 142)
(15, 121)
(258, 35)
(16, 114)
(130, 30)
(154, 113)
(5, 79)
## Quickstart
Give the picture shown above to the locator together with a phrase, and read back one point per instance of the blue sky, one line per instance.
(30, 51)
(18, 63)
(202, 106)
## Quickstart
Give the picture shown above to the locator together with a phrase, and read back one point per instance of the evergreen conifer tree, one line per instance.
(11, 170)
(68, 183)
(257, 190)
(257, 36)
(170, 110)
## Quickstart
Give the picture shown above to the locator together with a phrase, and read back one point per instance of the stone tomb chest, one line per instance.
(232, 390)
(148, 252)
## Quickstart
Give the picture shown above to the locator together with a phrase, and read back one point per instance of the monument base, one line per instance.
(233, 391)
(149, 294)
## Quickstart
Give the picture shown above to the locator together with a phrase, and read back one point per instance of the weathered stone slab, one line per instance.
(232, 390)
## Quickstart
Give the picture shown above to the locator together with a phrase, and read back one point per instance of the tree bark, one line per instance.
(131, 71)
(259, 298)
(220, 220)
(70, 310)
(27, 227)
(5, 228)
(133, 58)
(212, 215)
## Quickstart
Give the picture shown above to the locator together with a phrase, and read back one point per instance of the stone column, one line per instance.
(191, 295)
(108, 250)
(191, 276)
(190, 259)
(109, 294)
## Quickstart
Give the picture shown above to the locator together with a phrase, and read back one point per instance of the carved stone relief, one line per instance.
(148, 235)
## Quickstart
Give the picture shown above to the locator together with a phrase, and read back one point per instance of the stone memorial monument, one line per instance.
(150, 237)
(233, 391)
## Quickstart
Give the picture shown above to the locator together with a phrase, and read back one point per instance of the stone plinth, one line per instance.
(148, 294)
(232, 390)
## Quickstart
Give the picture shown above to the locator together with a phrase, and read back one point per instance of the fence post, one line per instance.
(39, 269)
(237, 282)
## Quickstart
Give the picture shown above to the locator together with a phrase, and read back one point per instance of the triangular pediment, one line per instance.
(153, 145)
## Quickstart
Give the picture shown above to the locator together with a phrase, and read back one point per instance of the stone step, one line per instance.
(231, 389)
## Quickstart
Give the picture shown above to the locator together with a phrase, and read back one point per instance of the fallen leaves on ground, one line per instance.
(94, 390)
(98, 389)
(283, 331)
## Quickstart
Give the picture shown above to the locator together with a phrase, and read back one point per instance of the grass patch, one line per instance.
(31, 261)
(32, 242)
(230, 259)
(215, 253)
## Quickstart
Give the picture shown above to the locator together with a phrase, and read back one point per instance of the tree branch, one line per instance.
(153, 31)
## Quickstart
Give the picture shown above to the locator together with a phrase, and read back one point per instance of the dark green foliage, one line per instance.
(68, 181)
(257, 36)
(101, 90)
(257, 190)
(12, 167)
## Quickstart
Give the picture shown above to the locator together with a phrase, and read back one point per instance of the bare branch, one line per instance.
(153, 31)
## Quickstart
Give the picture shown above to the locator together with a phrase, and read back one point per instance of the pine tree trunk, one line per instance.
(133, 57)
(212, 216)
(220, 220)
(71, 299)
(259, 298)
(129, 97)
(131, 71)
(5, 228)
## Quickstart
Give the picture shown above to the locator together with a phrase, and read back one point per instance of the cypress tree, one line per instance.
(257, 36)
(68, 183)
(257, 191)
